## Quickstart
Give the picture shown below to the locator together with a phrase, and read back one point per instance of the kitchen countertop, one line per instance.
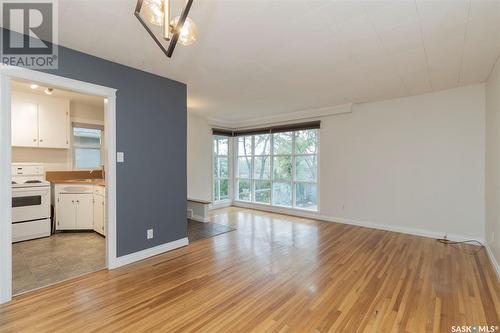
(98, 182)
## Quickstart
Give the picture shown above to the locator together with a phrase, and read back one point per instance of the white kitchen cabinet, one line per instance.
(24, 122)
(99, 225)
(53, 123)
(66, 212)
(40, 121)
(84, 212)
(74, 211)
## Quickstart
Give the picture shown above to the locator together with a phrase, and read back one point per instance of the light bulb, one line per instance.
(188, 33)
(34, 86)
(49, 91)
(153, 11)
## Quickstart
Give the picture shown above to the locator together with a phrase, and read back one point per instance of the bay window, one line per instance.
(275, 166)
(278, 168)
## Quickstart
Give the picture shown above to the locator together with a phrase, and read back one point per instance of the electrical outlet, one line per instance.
(150, 233)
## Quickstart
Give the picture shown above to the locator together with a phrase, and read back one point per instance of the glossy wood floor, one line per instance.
(276, 273)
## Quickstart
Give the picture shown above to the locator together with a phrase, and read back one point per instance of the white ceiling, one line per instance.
(90, 100)
(265, 57)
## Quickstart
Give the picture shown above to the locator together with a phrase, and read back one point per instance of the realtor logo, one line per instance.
(29, 34)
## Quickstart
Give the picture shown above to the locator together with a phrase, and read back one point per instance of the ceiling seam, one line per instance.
(423, 46)
(385, 49)
(463, 46)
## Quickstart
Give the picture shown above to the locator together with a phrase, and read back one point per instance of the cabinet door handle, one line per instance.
(34, 140)
(77, 201)
(41, 140)
(73, 201)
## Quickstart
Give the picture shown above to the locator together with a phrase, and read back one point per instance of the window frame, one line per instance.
(75, 146)
(293, 180)
(229, 170)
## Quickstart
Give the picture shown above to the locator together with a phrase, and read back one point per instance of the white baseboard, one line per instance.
(493, 260)
(366, 224)
(199, 218)
(401, 229)
(144, 254)
(220, 205)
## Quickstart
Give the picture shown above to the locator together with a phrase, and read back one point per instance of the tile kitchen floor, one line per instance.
(41, 262)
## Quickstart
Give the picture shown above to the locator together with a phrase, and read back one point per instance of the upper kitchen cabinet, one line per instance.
(40, 121)
(24, 122)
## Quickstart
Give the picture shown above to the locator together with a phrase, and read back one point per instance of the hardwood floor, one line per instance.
(276, 273)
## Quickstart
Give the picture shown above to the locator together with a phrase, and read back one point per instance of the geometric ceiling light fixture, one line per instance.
(180, 29)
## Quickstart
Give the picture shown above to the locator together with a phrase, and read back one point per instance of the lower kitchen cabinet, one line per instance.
(74, 212)
(99, 214)
(80, 207)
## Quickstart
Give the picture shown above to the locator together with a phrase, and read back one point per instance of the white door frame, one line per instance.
(7, 73)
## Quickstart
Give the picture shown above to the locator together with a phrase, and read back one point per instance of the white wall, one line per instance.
(410, 163)
(493, 161)
(60, 159)
(414, 164)
(199, 158)
(84, 113)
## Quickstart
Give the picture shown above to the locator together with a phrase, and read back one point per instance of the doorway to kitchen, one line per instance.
(58, 179)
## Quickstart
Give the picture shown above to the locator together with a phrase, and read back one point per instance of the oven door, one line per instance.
(30, 203)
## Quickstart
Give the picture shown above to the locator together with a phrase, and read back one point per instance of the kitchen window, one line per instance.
(278, 168)
(87, 146)
(221, 170)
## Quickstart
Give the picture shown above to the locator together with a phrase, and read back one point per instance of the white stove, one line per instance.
(30, 202)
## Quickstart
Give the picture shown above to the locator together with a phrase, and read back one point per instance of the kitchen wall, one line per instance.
(493, 162)
(60, 159)
(199, 158)
(412, 164)
(151, 125)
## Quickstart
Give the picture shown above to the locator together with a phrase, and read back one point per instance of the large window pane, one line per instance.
(244, 166)
(224, 189)
(263, 144)
(244, 145)
(221, 182)
(244, 190)
(282, 168)
(282, 194)
(306, 142)
(306, 196)
(86, 158)
(223, 146)
(262, 166)
(216, 167)
(216, 190)
(283, 143)
(263, 191)
(223, 167)
(305, 168)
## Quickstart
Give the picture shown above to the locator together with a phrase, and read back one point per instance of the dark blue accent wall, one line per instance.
(151, 116)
